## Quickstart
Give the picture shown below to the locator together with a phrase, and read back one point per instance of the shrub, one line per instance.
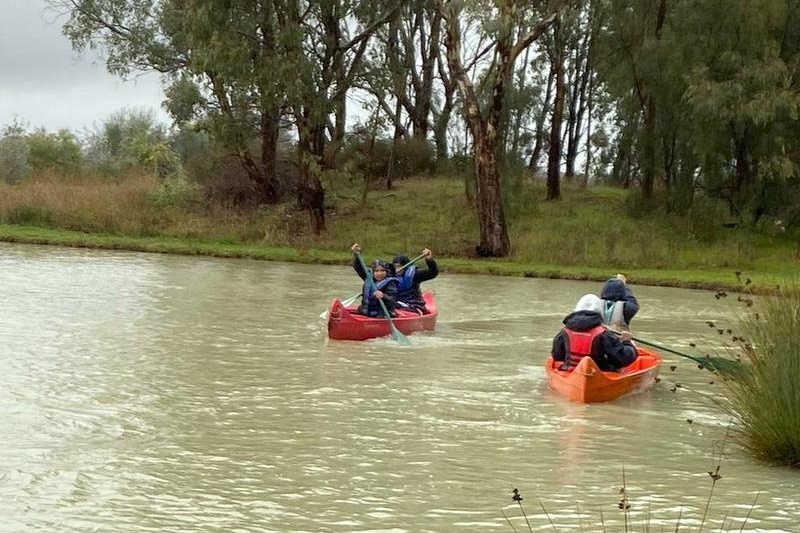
(13, 158)
(29, 215)
(371, 157)
(57, 151)
(177, 191)
(766, 401)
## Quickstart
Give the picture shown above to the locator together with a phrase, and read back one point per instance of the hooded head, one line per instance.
(613, 290)
(590, 302)
(379, 269)
(400, 260)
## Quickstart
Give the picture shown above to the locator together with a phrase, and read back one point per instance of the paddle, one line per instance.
(720, 365)
(350, 301)
(396, 335)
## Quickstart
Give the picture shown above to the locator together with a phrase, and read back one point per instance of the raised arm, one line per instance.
(429, 273)
(356, 248)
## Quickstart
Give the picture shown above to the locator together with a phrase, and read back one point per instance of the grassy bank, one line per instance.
(591, 234)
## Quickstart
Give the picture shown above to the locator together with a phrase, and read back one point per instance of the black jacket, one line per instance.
(608, 350)
(412, 296)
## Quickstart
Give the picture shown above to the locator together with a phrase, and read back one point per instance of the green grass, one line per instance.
(766, 401)
(591, 234)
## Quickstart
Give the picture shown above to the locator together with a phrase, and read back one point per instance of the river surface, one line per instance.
(157, 393)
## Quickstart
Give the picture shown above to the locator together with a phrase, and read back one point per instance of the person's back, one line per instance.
(619, 303)
(409, 292)
(585, 335)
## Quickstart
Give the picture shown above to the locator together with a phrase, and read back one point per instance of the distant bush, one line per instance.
(132, 140)
(177, 191)
(30, 215)
(519, 198)
(13, 158)
(372, 158)
(54, 151)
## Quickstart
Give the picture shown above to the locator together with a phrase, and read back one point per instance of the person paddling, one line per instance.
(384, 287)
(619, 303)
(585, 335)
(409, 293)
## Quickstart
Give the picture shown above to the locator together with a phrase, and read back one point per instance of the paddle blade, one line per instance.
(720, 365)
(346, 302)
(724, 366)
(350, 301)
(399, 337)
(396, 335)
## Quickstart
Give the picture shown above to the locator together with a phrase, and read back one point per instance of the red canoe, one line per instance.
(345, 324)
(586, 383)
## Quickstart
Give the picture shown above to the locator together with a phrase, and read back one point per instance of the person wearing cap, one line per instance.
(384, 287)
(619, 303)
(409, 293)
(585, 335)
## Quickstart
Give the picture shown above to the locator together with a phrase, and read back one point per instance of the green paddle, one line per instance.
(721, 365)
(353, 299)
(396, 335)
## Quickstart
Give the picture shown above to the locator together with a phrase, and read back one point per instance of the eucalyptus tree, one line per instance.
(744, 93)
(405, 65)
(556, 52)
(239, 67)
(584, 27)
(326, 64)
(541, 119)
(400, 72)
(498, 21)
(222, 57)
(630, 67)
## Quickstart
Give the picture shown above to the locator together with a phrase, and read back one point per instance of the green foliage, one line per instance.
(59, 151)
(766, 401)
(14, 153)
(191, 144)
(28, 215)
(519, 198)
(131, 139)
(372, 157)
(177, 191)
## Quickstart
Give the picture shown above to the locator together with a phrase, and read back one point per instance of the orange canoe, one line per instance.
(344, 323)
(586, 383)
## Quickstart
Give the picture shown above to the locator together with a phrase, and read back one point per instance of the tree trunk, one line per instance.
(589, 101)
(577, 103)
(649, 148)
(554, 153)
(744, 178)
(442, 120)
(493, 234)
(311, 154)
(398, 134)
(533, 165)
(270, 130)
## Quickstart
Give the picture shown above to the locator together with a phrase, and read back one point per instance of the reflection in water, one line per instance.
(158, 393)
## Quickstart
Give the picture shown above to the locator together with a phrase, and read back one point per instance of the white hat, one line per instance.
(590, 302)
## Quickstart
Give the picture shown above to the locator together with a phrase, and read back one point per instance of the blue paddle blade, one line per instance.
(396, 335)
(399, 337)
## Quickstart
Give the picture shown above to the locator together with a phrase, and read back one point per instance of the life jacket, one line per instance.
(613, 313)
(369, 288)
(405, 282)
(579, 343)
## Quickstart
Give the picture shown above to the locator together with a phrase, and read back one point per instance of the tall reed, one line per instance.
(766, 401)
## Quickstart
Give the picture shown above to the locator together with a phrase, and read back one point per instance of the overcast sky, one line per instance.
(44, 83)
